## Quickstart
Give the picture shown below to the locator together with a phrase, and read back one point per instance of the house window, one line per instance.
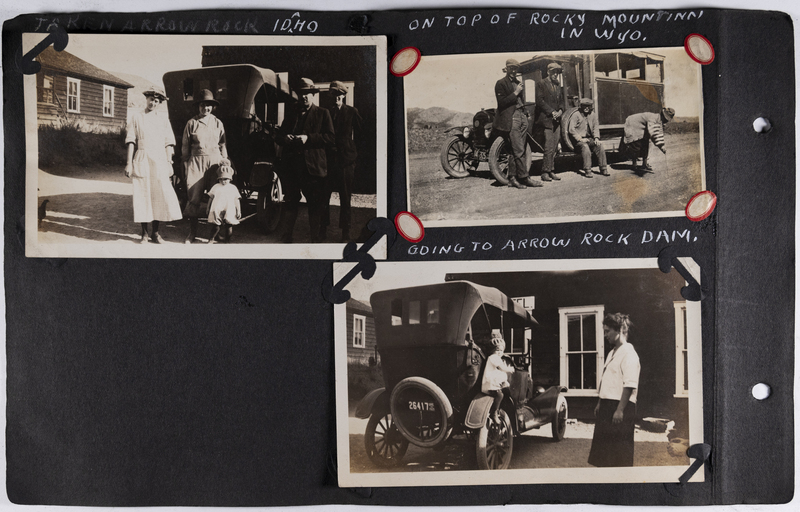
(108, 101)
(73, 95)
(359, 330)
(46, 90)
(581, 349)
(681, 351)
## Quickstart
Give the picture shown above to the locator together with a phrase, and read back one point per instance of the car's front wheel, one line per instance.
(495, 443)
(385, 445)
(458, 158)
(499, 155)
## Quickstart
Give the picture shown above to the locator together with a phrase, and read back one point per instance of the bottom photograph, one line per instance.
(568, 371)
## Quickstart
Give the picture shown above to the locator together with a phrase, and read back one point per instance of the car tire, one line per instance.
(559, 420)
(458, 158)
(426, 428)
(495, 443)
(384, 443)
(498, 159)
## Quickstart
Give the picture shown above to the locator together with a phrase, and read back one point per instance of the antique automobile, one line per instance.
(433, 343)
(620, 83)
(251, 105)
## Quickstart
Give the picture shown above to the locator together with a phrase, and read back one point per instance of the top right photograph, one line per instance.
(543, 137)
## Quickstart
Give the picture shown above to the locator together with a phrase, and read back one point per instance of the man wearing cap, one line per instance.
(305, 133)
(584, 134)
(640, 129)
(341, 160)
(547, 114)
(512, 121)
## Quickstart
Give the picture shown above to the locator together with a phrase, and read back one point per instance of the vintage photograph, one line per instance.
(205, 146)
(538, 137)
(552, 371)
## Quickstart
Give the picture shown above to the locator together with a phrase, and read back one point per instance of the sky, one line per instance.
(465, 83)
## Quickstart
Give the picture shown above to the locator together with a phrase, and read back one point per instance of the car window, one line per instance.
(397, 312)
(433, 311)
(413, 312)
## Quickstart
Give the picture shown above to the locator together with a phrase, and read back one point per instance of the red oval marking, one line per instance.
(699, 48)
(409, 227)
(701, 205)
(405, 61)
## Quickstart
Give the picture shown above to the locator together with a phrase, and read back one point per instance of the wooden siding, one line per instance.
(357, 354)
(90, 117)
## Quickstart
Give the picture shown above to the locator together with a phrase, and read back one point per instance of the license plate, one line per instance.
(421, 406)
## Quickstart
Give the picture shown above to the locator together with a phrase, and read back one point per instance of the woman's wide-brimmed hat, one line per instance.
(158, 92)
(306, 85)
(206, 96)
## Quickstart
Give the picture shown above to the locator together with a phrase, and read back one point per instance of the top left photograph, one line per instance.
(157, 146)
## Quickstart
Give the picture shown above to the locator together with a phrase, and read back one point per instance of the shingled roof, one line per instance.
(79, 68)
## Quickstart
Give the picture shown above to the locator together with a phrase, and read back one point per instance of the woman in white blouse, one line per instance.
(612, 444)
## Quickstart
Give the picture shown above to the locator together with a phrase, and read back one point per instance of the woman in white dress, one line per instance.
(151, 146)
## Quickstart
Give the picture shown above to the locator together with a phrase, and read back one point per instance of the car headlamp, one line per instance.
(467, 132)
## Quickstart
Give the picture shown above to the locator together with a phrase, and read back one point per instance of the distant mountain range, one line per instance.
(437, 117)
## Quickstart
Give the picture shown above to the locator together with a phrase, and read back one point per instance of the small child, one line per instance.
(224, 207)
(495, 376)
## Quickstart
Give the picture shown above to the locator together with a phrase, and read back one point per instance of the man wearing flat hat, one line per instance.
(342, 156)
(547, 114)
(305, 133)
(512, 121)
(640, 129)
(583, 130)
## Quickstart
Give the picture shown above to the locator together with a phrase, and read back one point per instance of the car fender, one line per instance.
(478, 411)
(547, 401)
(366, 405)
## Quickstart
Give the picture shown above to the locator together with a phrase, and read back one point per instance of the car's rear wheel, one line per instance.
(458, 158)
(421, 411)
(385, 445)
(499, 154)
(559, 421)
(495, 443)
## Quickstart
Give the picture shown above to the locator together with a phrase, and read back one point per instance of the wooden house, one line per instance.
(361, 346)
(70, 91)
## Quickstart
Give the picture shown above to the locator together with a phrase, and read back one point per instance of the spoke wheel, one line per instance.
(385, 445)
(559, 421)
(499, 154)
(457, 158)
(495, 444)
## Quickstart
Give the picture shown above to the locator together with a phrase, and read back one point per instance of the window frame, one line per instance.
(77, 95)
(109, 88)
(363, 331)
(51, 89)
(681, 348)
(563, 374)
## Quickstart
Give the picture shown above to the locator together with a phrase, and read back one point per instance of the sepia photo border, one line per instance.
(297, 250)
(399, 275)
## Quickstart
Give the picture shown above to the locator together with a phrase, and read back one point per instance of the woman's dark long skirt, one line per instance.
(612, 445)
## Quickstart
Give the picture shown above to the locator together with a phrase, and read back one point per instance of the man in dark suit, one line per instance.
(512, 121)
(342, 156)
(547, 114)
(304, 135)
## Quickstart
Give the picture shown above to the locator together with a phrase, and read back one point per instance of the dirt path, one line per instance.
(676, 177)
(95, 205)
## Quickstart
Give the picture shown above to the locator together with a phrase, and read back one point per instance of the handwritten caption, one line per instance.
(294, 24)
(590, 239)
(620, 26)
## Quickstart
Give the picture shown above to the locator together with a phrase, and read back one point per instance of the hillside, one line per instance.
(437, 117)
